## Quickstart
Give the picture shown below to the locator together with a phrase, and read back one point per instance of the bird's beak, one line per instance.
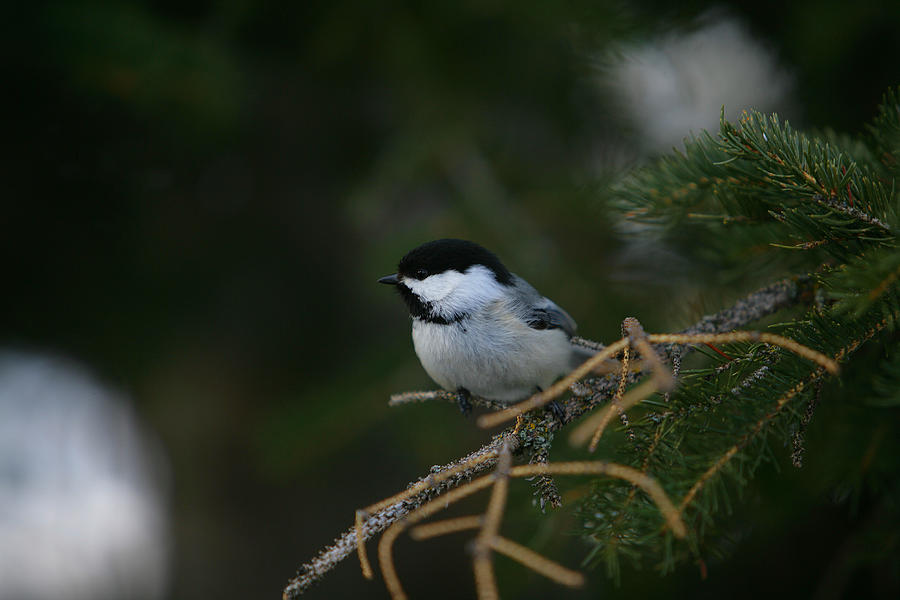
(390, 279)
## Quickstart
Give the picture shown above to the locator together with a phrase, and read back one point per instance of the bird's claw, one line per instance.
(462, 400)
(558, 412)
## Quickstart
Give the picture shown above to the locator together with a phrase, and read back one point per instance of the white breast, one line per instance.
(492, 354)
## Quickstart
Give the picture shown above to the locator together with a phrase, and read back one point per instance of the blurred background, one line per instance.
(198, 198)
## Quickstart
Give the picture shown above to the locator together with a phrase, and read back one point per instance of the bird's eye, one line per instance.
(421, 274)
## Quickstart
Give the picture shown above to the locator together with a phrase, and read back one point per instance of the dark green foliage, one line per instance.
(766, 184)
(760, 194)
(867, 282)
(885, 131)
(886, 384)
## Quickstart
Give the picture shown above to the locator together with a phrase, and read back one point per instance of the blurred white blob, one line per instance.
(678, 84)
(82, 515)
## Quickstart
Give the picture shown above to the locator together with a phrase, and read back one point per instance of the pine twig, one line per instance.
(485, 582)
(536, 562)
(851, 211)
(798, 440)
(430, 530)
(443, 395)
(545, 487)
(379, 519)
(554, 391)
(620, 393)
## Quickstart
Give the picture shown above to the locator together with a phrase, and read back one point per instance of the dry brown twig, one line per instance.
(662, 380)
(488, 538)
(455, 480)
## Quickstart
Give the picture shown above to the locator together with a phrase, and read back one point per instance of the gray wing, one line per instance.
(540, 312)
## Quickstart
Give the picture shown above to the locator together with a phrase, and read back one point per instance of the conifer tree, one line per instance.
(759, 201)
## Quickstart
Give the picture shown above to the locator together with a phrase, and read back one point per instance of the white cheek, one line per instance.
(452, 293)
(435, 288)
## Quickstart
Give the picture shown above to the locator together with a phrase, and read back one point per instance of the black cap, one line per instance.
(443, 255)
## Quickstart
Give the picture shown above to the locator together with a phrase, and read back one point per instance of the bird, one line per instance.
(479, 329)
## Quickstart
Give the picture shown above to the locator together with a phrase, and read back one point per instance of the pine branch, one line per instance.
(804, 384)
(381, 519)
(771, 187)
(753, 307)
(752, 197)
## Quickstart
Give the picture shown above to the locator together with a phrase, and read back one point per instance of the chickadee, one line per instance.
(479, 329)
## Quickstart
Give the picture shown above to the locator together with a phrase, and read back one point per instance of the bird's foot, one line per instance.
(558, 412)
(463, 401)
